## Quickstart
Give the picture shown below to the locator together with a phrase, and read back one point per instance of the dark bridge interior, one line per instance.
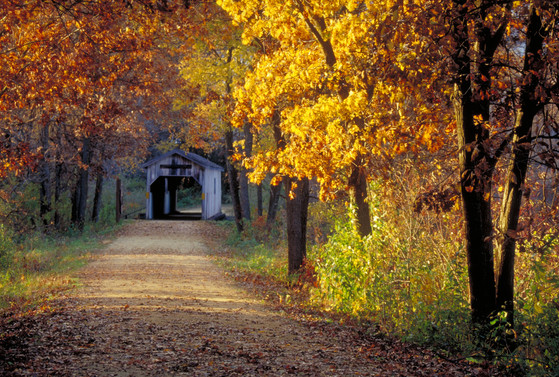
(173, 185)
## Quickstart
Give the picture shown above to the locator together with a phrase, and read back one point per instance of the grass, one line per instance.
(258, 260)
(408, 279)
(245, 254)
(37, 269)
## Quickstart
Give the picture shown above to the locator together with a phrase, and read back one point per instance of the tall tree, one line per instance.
(497, 121)
(353, 79)
(317, 75)
(331, 68)
(473, 60)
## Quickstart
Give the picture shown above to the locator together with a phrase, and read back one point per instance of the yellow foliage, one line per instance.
(345, 77)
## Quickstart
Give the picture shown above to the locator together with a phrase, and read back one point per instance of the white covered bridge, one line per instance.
(166, 173)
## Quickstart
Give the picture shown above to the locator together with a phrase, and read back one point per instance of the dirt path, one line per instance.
(152, 304)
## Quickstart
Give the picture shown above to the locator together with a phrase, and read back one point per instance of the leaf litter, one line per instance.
(153, 304)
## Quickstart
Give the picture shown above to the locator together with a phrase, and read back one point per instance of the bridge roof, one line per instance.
(193, 157)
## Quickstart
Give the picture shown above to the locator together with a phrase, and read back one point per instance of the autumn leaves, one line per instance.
(324, 90)
(354, 82)
(78, 81)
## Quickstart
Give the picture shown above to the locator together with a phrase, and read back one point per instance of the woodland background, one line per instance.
(404, 153)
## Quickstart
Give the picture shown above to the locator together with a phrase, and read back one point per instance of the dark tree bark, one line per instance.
(521, 145)
(75, 202)
(273, 204)
(97, 199)
(477, 215)
(232, 176)
(232, 173)
(259, 202)
(45, 205)
(358, 187)
(471, 99)
(297, 212)
(243, 177)
(84, 182)
(80, 193)
(57, 192)
(118, 200)
(275, 190)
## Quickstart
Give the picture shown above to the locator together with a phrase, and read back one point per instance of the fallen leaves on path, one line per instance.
(178, 315)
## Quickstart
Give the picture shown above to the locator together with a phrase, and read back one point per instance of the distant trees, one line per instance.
(75, 80)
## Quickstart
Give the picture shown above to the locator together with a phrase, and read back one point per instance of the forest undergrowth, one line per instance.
(38, 256)
(407, 279)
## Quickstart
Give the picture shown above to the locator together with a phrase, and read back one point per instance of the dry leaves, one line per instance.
(206, 327)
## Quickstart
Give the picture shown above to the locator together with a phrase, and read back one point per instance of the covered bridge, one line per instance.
(166, 173)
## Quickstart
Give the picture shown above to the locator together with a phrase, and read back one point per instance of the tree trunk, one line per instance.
(97, 199)
(118, 200)
(57, 192)
(475, 179)
(232, 176)
(243, 178)
(75, 202)
(476, 203)
(275, 190)
(83, 184)
(259, 203)
(244, 196)
(45, 180)
(273, 204)
(518, 166)
(358, 187)
(297, 206)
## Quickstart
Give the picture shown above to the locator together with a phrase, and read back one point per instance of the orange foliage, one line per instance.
(81, 63)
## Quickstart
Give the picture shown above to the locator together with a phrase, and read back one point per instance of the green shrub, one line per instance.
(189, 196)
(409, 278)
(377, 279)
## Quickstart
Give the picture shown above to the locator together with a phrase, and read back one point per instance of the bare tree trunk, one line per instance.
(518, 166)
(232, 176)
(97, 199)
(259, 203)
(118, 200)
(243, 178)
(44, 171)
(75, 202)
(275, 190)
(358, 185)
(275, 193)
(297, 206)
(83, 181)
(57, 191)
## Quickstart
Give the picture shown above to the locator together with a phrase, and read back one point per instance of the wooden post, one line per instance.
(118, 200)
